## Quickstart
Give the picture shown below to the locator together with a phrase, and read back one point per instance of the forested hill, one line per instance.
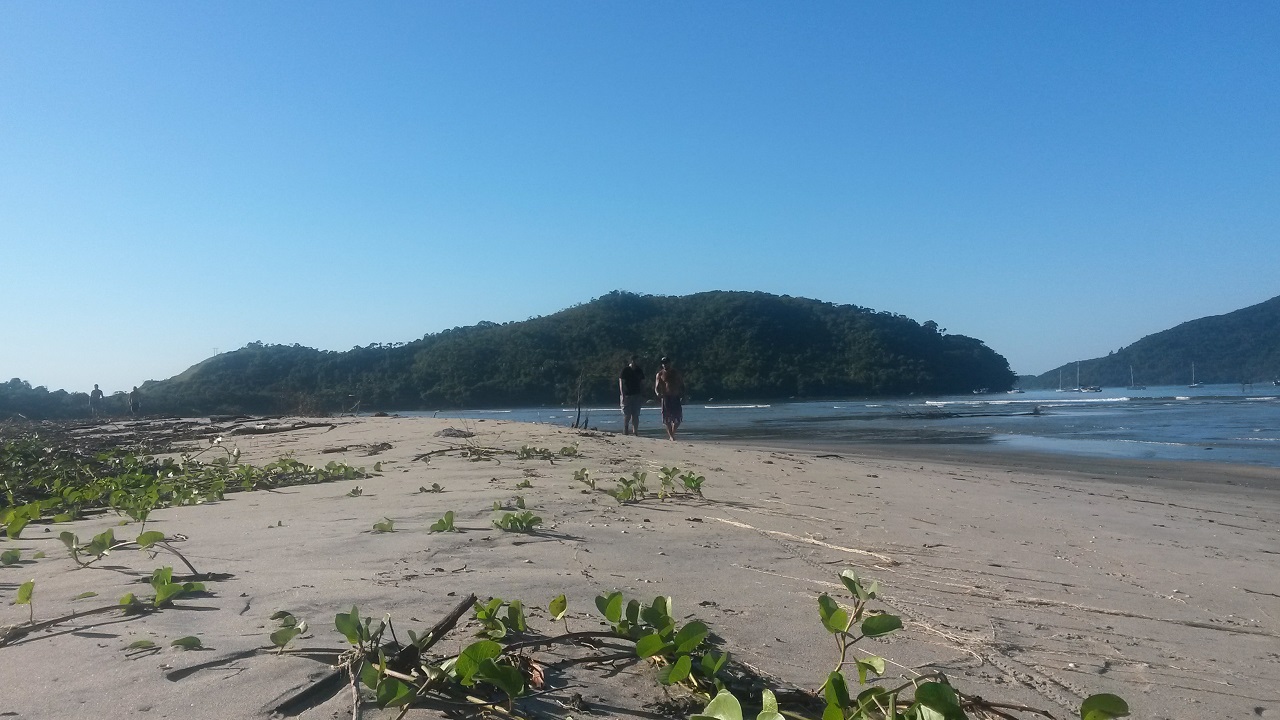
(1238, 347)
(730, 346)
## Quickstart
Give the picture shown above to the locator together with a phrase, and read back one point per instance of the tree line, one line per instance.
(731, 346)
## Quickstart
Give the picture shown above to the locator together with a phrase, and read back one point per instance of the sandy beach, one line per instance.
(1026, 580)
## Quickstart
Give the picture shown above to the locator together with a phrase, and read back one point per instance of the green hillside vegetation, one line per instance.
(1238, 347)
(730, 345)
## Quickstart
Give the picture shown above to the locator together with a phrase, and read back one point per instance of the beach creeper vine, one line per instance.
(494, 673)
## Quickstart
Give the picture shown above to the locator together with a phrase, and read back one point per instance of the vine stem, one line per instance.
(566, 638)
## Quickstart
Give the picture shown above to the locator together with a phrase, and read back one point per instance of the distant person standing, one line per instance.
(135, 401)
(631, 396)
(95, 401)
(669, 386)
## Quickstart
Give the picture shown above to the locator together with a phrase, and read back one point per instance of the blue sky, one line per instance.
(1057, 179)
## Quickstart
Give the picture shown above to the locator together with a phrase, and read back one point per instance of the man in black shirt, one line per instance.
(631, 383)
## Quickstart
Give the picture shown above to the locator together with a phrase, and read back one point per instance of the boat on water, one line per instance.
(1194, 384)
(1133, 385)
(1091, 388)
(1077, 388)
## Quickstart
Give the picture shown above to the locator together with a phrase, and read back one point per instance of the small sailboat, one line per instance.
(1077, 388)
(1194, 384)
(1133, 385)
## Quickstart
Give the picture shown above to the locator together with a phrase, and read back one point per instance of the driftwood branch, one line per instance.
(252, 431)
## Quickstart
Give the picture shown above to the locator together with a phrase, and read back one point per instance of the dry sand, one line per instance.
(1023, 583)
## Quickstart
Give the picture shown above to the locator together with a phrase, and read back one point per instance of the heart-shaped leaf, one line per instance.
(677, 671)
(559, 605)
(190, 642)
(878, 625)
(1103, 707)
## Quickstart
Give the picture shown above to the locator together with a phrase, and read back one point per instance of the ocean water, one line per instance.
(1220, 423)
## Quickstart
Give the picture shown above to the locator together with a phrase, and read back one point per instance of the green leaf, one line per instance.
(140, 645)
(768, 706)
(87, 594)
(834, 618)
(386, 525)
(281, 637)
(610, 606)
(349, 625)
(444, 524)
(874, 698)
(878, 625)
(836, 691)
(69, 539)
(850, 580)
(165, 593)
(515, 616)
(102, 542)
(161, 576)
(504, 677)
(940, 698)
(392, 692)
(149, 538)
(658, 613)
(127, 599)
(468, 663)
(1104, 706)
(285, 617)
(10, 557)
(24, 592)
(559, 605)
(39, 555)
(676, 671)
(713, 663)
(869, 664)
(724, 706)
(190, 642)
(14, 529)
(651, 645)
(691, 636)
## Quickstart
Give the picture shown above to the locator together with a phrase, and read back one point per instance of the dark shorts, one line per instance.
(631, 405)
(672, 412)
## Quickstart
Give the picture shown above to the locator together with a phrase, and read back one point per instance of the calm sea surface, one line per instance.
(1221, 423)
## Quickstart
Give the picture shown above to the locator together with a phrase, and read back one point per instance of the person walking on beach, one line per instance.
(95, 401)
(669, 386)
(135, 401)
(630, 396)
